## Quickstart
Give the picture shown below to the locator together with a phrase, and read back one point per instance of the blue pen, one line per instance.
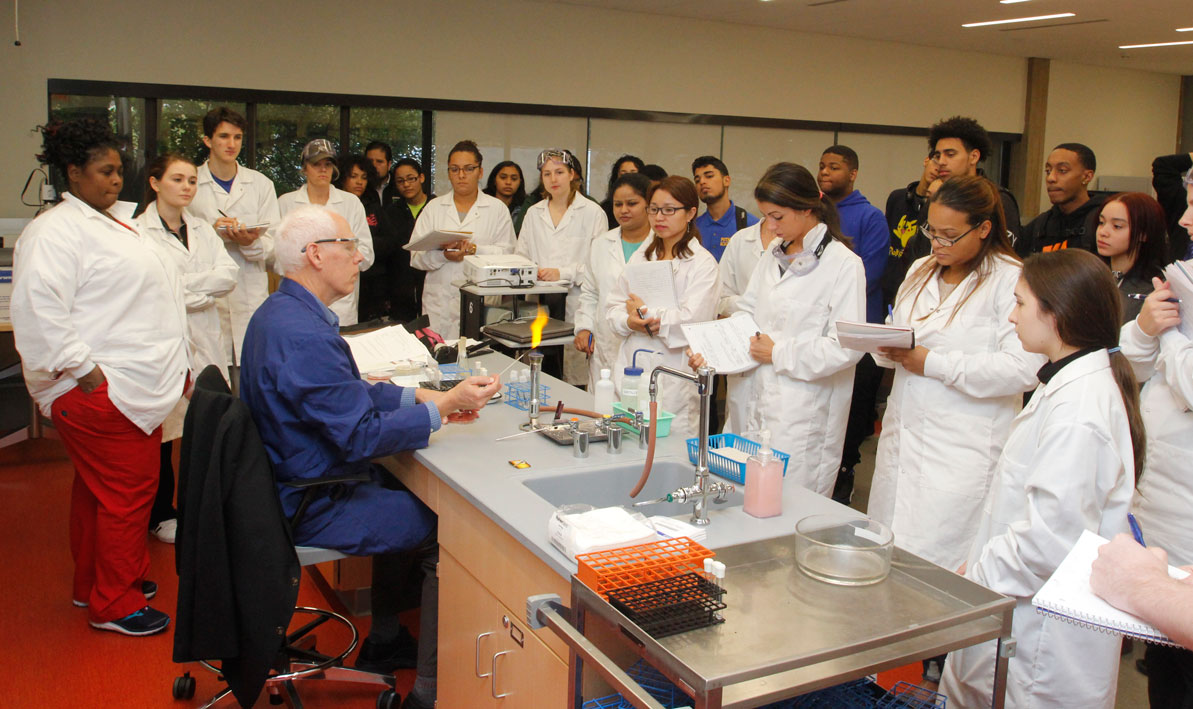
(890, 313)
(1136, 531)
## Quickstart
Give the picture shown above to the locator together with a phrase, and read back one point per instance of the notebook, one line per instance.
(725, 343)
(1068, 597)
(868, 337)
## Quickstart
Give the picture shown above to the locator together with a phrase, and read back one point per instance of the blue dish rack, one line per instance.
(725, 467)
(859, 694)
(517, 395)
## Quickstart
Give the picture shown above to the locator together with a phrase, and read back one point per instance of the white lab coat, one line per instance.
(943, 432)
(604, 266)
(737, 265)
(1067, 466)
(348, 206)
(1165, 495)
(208, 272)
(564, 246)
(89, 292)
(803, 396)
(252, 201)
(493, 233)
(697, 288)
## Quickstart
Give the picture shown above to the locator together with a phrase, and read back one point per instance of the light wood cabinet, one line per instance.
(485, 576)
(487, 656)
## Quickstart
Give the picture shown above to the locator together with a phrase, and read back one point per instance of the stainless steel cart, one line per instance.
(785, 633)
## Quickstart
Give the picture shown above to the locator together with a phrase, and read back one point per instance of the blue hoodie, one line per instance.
(866, 225)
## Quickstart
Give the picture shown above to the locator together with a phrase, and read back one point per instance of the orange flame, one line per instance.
(536, 327)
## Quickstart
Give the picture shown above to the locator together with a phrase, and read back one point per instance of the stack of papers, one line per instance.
(654, 283)
(384, 348)
(436, 240)
(725, 343)
(868, 337)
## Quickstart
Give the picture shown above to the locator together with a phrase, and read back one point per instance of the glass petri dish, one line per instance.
(842, 550)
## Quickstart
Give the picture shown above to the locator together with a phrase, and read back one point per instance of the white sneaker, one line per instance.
(166, 530)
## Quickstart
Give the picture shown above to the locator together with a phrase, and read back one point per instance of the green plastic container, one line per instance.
(664, 428)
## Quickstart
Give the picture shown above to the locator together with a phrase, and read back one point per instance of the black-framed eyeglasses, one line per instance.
(466, 169)
(352, 243)
(942, 240)
(407, 180)
(666, 211)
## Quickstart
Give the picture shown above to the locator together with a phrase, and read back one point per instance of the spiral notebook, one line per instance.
(1068, 597)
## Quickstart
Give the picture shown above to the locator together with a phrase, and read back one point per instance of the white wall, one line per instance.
(1126, 117)
(511, 51)
(523, 51)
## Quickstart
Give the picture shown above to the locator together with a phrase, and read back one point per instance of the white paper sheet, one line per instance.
(868, 337)
(436, 240)
(654, 283)
(381, 349)
(1180, 280)
(724, 343)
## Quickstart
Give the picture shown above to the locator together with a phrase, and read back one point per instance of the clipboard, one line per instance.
(436, 240)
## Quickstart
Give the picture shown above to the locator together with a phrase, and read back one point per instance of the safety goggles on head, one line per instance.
(1187, 178)
(563, 156)
(352, 243)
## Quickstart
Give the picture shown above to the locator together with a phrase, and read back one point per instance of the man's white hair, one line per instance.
(299, 228)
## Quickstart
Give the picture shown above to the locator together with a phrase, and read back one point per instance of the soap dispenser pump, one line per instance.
(764, 481)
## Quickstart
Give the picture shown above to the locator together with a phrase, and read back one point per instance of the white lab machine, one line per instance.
(500, 270)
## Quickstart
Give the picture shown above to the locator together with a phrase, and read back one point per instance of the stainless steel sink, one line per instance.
(608, 487)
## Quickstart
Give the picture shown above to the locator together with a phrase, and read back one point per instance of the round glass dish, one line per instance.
(842, 550)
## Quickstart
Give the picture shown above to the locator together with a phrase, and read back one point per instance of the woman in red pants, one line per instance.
(100, 324)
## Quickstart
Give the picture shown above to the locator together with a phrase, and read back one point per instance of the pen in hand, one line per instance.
(1143, 296)
(1136, 530)
(647, 327)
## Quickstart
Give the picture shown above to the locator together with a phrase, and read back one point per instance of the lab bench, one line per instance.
(784, 633)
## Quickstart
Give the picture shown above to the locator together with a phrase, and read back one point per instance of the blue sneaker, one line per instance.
(146, 621)
(148, 588)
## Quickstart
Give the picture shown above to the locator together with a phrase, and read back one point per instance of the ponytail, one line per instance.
(1077, 289)
(793, 186)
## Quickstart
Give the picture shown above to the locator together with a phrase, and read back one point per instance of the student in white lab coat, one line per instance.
(486, 218)
(319, 169)
(1069, 465)
(100, 325)
(737, 264)
(676, 240)
(1162, 355)
(206, 272)
(231, 197)
(607, 258)
(556, 235)
(956, 392)
(809, 280)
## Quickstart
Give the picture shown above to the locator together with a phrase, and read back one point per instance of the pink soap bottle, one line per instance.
(764, 482)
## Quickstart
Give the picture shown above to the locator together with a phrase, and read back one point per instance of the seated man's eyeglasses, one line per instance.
(352, 243)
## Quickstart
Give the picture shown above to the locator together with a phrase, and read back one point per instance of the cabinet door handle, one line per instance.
(493, 677)
(477, 657)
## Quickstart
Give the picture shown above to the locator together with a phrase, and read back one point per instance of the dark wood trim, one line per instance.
(428, 146)
(345, 118)
(251, 96)
(250, 135)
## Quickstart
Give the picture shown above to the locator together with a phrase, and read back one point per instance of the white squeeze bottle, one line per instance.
(764, 482)
(604, 393)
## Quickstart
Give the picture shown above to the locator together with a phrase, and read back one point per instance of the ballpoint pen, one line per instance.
(1136, 531)
(1143, 296)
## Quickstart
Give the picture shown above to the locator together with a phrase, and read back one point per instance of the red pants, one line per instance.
(116, 476)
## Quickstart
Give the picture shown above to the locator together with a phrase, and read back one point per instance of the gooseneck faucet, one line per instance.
(702, 487)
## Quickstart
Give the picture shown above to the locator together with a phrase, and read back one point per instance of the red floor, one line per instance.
(51, 657)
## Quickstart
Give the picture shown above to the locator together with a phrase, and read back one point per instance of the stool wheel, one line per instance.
(388, 699)
(184, 687)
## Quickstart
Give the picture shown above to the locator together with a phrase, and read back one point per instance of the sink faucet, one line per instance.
(702, 487)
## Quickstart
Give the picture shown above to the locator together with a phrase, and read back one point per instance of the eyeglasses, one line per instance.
(667, 211)
(941, 240)
(408, 180)
(466, 169)
(352, 243)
